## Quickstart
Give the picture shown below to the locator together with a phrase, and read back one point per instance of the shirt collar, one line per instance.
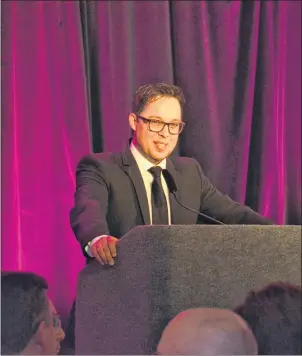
(142, 162)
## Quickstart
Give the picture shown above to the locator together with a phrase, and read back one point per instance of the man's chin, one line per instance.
(159, 157)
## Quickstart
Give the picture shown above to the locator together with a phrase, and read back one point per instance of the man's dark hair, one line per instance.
(274, 315)
(23, 306)
(148, 93)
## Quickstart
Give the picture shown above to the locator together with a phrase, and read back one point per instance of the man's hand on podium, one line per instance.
(104, 250)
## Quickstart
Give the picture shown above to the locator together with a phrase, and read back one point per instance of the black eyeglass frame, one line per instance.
(180, 124)
(55, 320)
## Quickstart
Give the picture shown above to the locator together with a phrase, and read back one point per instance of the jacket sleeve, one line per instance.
(88, 216)
(223, 208)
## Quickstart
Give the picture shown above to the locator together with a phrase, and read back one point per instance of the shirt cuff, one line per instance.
(90, 243)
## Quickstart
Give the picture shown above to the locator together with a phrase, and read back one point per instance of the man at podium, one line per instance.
(144, 184)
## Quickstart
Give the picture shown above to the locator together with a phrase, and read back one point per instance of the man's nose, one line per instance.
(61, 334)
(165, 131)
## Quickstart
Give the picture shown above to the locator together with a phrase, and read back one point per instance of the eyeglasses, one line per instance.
(56, 321)
(175, 128)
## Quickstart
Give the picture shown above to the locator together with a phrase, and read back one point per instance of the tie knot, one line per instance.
(155, 171)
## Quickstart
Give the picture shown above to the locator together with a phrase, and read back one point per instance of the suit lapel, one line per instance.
(176, 216)
(130, 167)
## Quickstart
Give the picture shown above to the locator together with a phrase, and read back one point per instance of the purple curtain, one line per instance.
(44, 132)
(239, 63)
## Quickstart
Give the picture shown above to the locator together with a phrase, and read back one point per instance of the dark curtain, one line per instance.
(69, 71)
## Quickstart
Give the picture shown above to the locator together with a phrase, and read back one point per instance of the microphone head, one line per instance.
(170, 181)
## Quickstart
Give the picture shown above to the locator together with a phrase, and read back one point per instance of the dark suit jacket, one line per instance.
(110, 197)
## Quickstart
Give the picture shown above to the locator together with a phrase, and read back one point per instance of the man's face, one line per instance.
(156, 146)
(53, 333)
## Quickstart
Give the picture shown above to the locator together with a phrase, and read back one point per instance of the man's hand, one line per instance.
(104, 250)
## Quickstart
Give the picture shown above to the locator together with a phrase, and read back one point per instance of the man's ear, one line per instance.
(132, 121)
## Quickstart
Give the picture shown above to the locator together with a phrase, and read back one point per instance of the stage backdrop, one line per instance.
(69, 70)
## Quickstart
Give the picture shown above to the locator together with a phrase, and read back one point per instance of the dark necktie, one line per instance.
(159, 202)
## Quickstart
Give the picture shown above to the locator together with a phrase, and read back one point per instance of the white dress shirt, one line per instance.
(144, 165)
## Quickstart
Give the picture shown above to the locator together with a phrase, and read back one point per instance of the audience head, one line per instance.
(274, 315)
(29, 322)
(206, 331)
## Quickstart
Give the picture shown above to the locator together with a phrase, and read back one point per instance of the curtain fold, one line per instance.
(129, 44)
(44, 133)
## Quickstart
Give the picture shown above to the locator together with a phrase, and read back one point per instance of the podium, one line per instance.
(162, 270)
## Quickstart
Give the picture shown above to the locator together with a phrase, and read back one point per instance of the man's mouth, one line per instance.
(160, 145)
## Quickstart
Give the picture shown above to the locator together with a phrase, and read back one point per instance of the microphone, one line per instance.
(173, 189)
